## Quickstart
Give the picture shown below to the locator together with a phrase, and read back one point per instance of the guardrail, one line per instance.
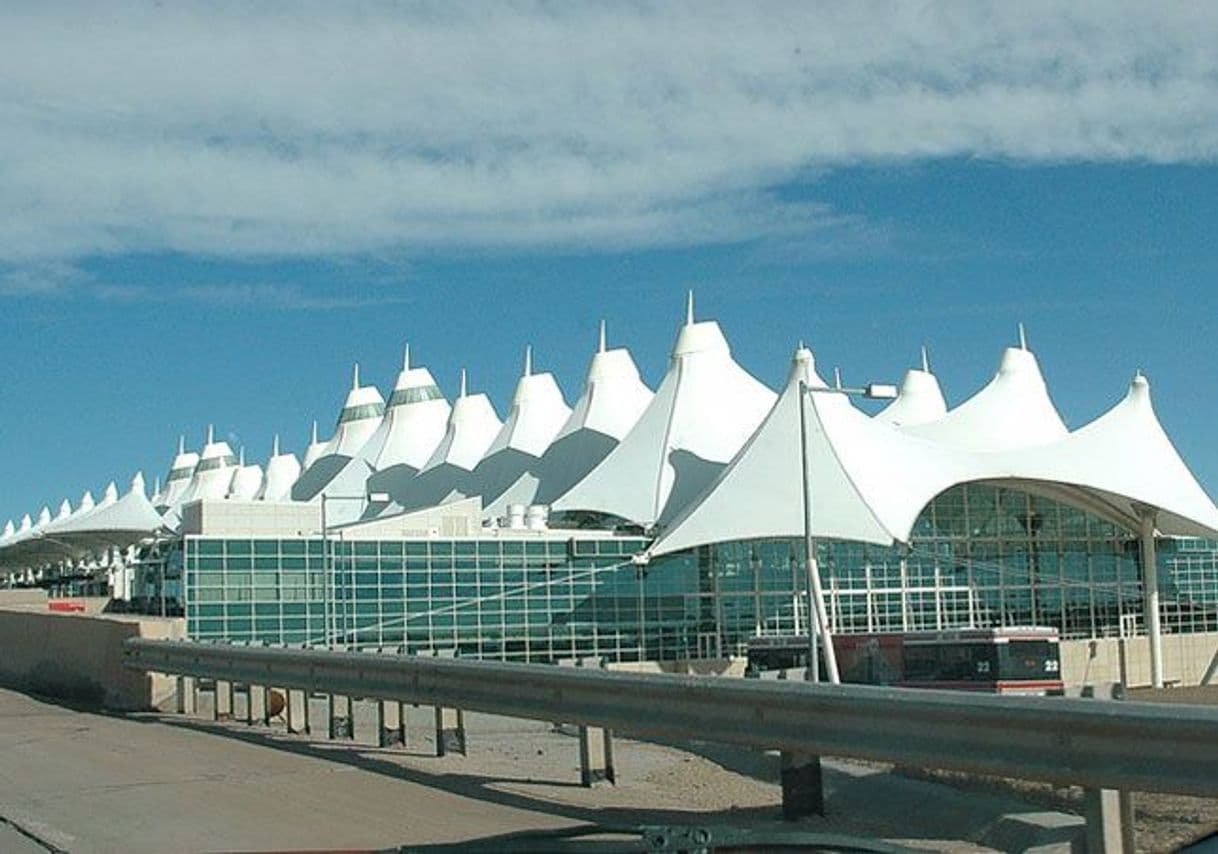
(1100, 745)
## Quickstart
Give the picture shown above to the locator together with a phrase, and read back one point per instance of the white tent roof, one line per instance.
(472, 427)
(538, 412)
(1013, 411)
(919, 399)
(358, 422)
(415, 419)
(414, 426)
(1124, 462)
(282, 470)
(315, 449)
(704, 410)
(181, 470)
(214, 474)
(871, 481)
(614, 397)
(113, 522)
(247, 480)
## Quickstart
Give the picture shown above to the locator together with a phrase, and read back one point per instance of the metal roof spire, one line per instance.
(241, 456)
(925, 360)
(464, 387)
(528, 360)
(600, 344)
(689, 308)
(355, 377)
(211, 434)
(837, 377)
(406, 357)
(1023, 338)
(275, 446)
(181, 444)
(314, 439)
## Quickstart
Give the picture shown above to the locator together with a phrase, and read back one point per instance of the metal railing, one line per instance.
(1093, 743)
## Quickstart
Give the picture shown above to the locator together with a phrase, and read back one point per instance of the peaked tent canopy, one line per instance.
(472, 426)
(181, 470)
(214, 474)
(361, 416)
(704, 410)
(614, 397)
(919, 399)
(538, 412)
(414, 426)
(1013, 411)
(870, 481)
(113, 523)
(282, 470)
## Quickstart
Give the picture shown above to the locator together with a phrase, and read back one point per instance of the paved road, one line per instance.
(86, 782)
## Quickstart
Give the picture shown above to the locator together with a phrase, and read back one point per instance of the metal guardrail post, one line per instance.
(296, 710)
(1109, 817)
(391, 723)
(185, 698)
(803, 791)
(340, 717)
(596, 756)
(450, 731)
(255, 704)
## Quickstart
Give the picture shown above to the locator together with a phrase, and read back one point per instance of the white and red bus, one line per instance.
(1019, 660)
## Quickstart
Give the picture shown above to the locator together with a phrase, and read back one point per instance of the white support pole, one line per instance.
(1150, 587)
(816, 596)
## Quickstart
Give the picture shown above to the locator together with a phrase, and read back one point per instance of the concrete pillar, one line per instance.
(1109, 815)
(296, 710)
(185, 695)
(366, 722)
(450, 731)
(317, 714)
(391, 723)
(340, 717)
(596, 756)
(1150, 586)
(222, 710)
(255, 706)
(803, 791)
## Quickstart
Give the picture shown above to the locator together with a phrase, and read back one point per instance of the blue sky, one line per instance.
(212, 217)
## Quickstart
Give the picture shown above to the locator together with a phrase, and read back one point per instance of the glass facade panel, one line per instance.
(981, 556)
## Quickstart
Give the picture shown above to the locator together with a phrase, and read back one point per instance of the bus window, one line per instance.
(1028, 659)
(950, 662)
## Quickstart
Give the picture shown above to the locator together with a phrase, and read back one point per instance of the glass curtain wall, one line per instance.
(980, 556)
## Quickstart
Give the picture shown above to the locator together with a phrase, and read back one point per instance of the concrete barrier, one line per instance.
(1186, 659)
(79, 658)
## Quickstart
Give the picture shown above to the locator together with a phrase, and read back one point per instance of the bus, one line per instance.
(1019, 660)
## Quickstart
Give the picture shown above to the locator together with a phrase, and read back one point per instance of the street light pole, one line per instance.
(329, 585)
(818, 618)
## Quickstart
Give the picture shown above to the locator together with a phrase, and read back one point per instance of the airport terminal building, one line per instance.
(667, 524)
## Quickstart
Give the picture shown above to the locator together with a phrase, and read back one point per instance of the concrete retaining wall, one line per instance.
(690, 667)
(1186, 658)
(78, 657)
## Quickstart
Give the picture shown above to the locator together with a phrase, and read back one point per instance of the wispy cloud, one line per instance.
(308, 129)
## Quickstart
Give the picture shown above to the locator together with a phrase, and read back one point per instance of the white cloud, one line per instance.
(295, 129)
